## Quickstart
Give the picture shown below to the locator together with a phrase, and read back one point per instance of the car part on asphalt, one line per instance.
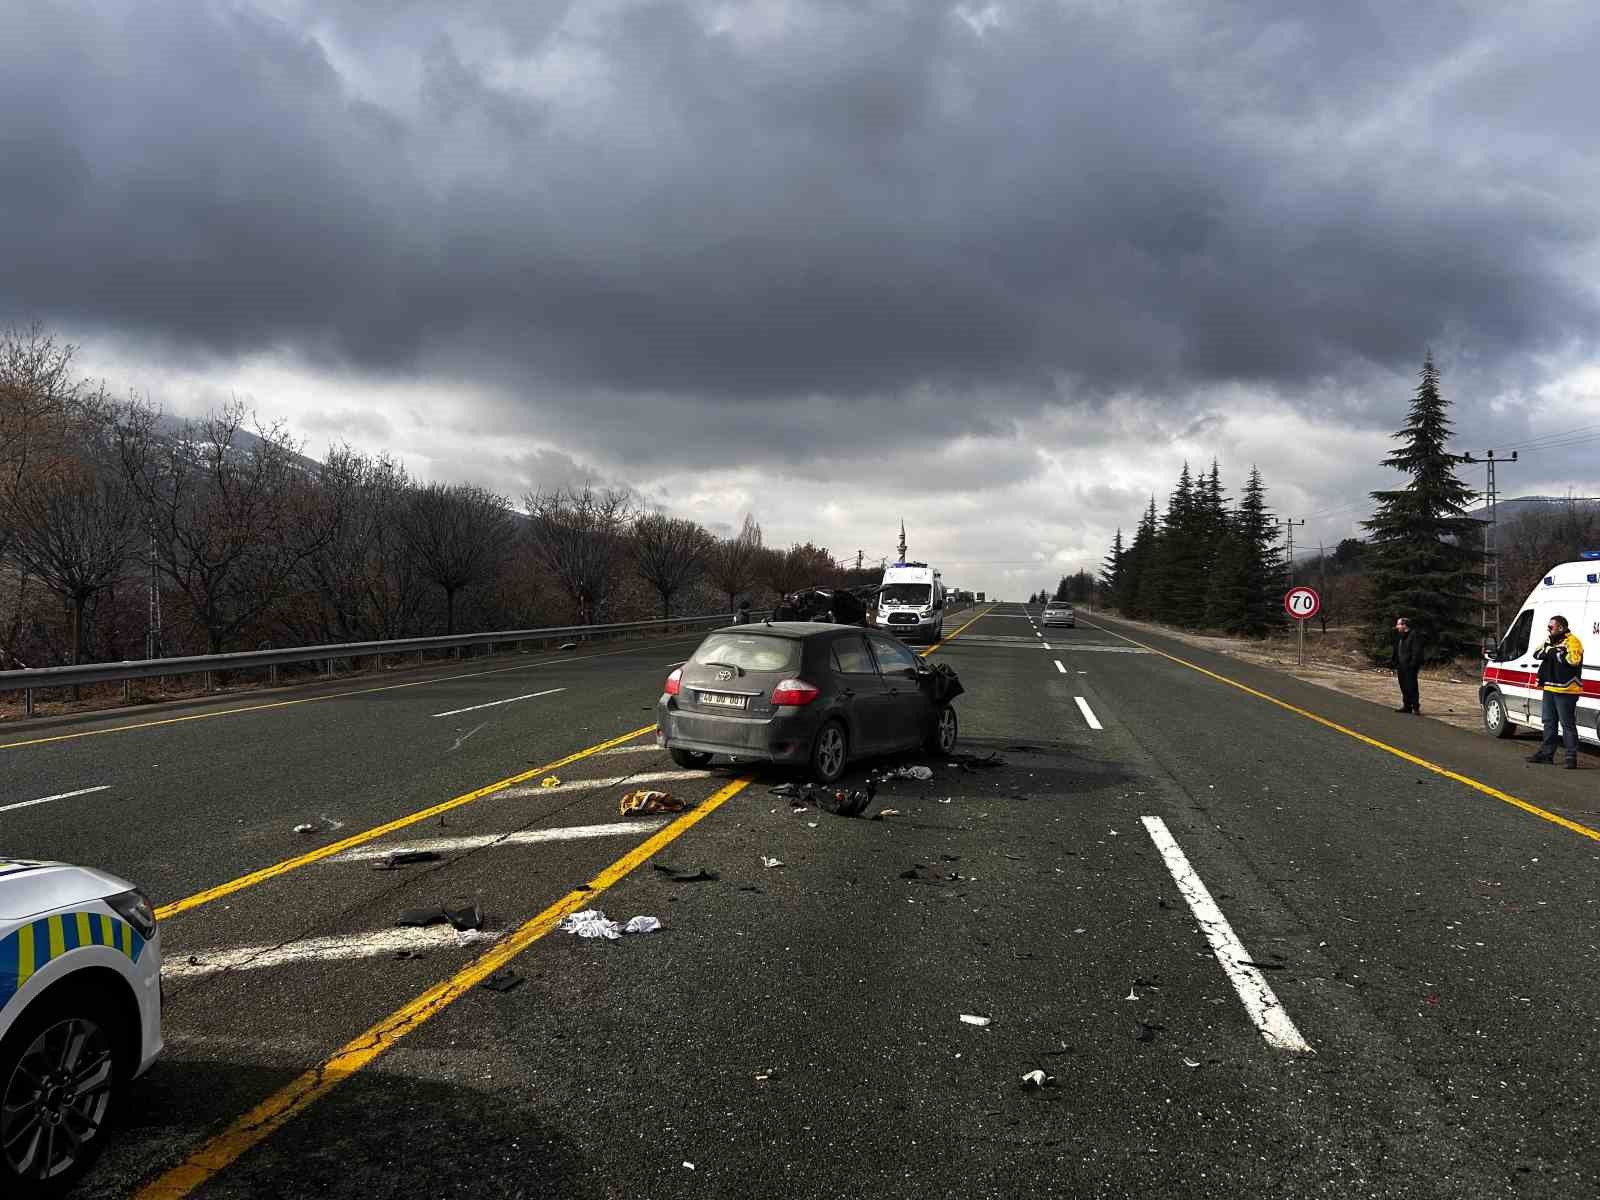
(420, 918)
(687, 874)
(464, 915)
(649, 801)
(501, 981)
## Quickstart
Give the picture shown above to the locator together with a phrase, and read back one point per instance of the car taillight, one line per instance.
(794, 692)
(675, 682)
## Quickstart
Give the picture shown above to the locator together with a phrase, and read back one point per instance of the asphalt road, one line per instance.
(1255, 937)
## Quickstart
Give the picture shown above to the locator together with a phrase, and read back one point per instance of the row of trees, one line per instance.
(111, 514)
(1203, 563)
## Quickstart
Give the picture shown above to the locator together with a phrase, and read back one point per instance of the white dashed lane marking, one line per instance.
(521, 837)
(1259, 1000)
(454, 712)
(1059, 667)
(58, 796)
(1088, 713)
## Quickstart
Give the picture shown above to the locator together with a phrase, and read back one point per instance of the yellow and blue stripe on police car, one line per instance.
(26, 949)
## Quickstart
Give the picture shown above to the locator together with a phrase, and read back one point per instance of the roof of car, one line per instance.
(787, 629)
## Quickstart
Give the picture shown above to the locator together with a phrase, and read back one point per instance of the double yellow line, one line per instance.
(284, 1105)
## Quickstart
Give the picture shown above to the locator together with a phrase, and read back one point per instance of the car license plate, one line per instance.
(719, 700)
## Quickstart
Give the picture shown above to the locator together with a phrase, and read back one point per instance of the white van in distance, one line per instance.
(1508, 691)
(911, 602)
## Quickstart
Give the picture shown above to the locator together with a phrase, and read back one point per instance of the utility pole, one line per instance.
(858, 559)
(1289, 523)
(1491, 560)
(152, 635)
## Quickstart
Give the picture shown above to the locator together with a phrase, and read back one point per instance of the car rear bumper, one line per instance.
(781, 739)
(1068, 622)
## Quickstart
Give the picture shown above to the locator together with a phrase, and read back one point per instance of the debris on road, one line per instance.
(419, 918)
(769, 863)
(642, 925)
(1143, 1032)
(550, 781)
(1036, 1079)
(306, 828)
(404, 955)
(648, 801)
(885, 812)
(785, 789)
(464, 915)
(1189, 1062)
(1023, 748)
(592, 923)
(501, 981)
(922, 774)
(974, 763)
(400, 858)
(687, 874)
(974, 1019)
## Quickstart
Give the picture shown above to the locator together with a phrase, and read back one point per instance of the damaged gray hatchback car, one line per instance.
(799, 693)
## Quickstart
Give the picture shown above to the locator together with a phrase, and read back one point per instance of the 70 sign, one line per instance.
(1302, 603)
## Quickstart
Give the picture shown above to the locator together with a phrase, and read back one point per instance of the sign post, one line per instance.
(1302, 603)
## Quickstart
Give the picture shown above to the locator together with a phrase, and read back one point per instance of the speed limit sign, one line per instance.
(1302, 603)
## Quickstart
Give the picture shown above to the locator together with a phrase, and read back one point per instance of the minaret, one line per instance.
(902, 541)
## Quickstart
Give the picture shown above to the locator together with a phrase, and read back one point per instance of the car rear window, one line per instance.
(749, 652)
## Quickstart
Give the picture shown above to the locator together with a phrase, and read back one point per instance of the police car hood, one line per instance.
(28, 887)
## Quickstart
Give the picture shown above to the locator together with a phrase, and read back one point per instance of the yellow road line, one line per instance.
(378, 831)
(387, 687)
(284, 1105)
(1494, 792)
(957, 633)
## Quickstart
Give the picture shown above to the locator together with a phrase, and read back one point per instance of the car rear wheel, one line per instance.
(943, 738)
(691, 759)
(1495, 719)
(59, 1077)
(829, 753)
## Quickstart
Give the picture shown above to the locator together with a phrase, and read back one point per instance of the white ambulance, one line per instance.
(1509, 692)
(911, 602)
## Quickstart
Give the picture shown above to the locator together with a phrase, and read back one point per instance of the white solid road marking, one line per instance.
(57, 796)
(455, 712)
(581, 785)
(640, 749)
(1253, 989)
(1047, 645)
(522, 837)
(381, 943)
(1059, 667)
(1088, 713)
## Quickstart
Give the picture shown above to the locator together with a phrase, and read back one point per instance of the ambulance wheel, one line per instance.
(1495, 720)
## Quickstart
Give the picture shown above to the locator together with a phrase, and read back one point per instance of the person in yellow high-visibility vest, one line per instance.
(1560, 658)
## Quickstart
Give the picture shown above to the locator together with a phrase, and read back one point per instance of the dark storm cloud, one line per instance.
(644, 219)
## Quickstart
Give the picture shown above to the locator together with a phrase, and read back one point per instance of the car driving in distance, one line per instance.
(800, 693)
(1059, 612)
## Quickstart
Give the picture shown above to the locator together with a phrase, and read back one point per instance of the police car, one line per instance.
(80, 1015)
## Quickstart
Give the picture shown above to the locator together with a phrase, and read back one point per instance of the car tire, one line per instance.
(830, 753)
(1495, 719)
(692, 760)
(65, 1035)
(946, 728)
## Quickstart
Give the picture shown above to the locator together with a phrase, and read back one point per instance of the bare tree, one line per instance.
(72, 527)
(458, 535)
(668, 553)
(577, 537)
(226, 511)
(801, 565)
(734, 562)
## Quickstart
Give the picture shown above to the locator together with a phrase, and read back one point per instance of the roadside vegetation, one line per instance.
(125, 534)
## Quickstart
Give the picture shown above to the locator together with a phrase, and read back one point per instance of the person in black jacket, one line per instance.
(1405, 663)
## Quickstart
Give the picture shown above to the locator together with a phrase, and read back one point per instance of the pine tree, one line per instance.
(1111, 569)
(1131, 597)
(1245, 592)
(1422, 562)
(1061, 589)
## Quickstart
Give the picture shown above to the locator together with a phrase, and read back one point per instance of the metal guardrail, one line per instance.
(29, 681)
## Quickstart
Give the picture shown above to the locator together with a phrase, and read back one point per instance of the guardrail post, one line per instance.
(27, 702)
(206, 681)
(327, 664)
(127, 690)
(419, 658)
(272, 675)
(488, 649)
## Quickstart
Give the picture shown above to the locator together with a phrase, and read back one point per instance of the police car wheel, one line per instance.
(59, 1078)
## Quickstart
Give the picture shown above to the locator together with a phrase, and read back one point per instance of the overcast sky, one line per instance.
(993, 269)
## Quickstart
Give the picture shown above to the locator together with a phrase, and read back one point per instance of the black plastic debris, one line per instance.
(420, 917)
(1023, 748)
(973, 763)
(402, 858)
(1143, 1032)
(502, 981)
(786, 789)
(405, 955)
(464, 915)
(687, 874)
